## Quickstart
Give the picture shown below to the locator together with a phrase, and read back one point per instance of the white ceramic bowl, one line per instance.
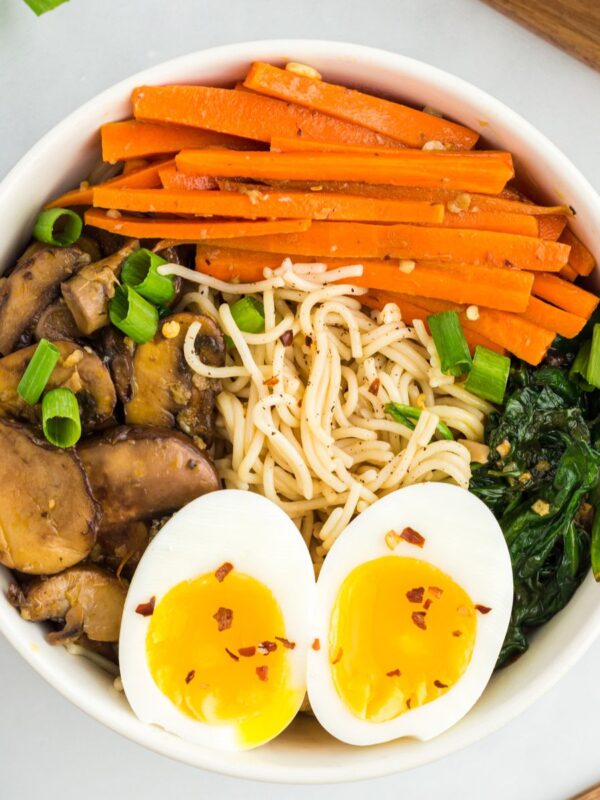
(305, 754)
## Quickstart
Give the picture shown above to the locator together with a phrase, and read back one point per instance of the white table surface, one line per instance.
(48, 66)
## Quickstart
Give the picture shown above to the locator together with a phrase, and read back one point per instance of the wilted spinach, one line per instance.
(541, 482)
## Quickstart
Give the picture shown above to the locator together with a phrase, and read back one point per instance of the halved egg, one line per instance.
(413, 603)
(216, 625)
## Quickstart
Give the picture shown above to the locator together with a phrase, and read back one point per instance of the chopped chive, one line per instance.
(450, 342)
(140, 271)
(132, 314)
(40, 7)
(58, 226)
(404, 414)
(248, 314)
(593, 367)
(60, 418)
(489, 375)
(38, 371)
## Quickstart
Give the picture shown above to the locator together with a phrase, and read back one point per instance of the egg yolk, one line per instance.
(401, 634)
(212, 650)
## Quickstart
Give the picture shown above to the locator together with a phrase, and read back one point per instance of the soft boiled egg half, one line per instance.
(225, 631)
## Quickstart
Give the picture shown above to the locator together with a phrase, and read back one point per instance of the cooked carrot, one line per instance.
(133, 139)
(184, 229)
(133, 165)
(550, 227)
(271, 205)
(484, 171)
(171, 178)
(245, 114)
(492, 221)
(568, 273)
(145, 178)
(407, 125)
(581, 259)
(234, 265)
(565, 295)
(356, 240)
(555, 319)
(300, 144)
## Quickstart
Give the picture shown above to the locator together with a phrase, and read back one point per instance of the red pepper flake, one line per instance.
(263, 673)
(316, 645)
(412, 537)
(374, 387)
(338, 656)
(418, 617)
(266, 647)
(435, 591)
(232, 655)
(247, 652)
(190, 676)
(146, 609)
(286, 642)
(286, 338)
(427, 604)
(271, 381)
(223, 571)
(416, 595)
(224, 618)
(483, 609)
(440, 685)
(457, 633)
(395, 673)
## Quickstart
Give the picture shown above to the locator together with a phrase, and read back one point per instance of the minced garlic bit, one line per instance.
(73, 358)
(304, 70)
(433, 145)
(392, 539)
(434, 112)
(51, 504)
(170, 330)
(541, 508)
(112, 213)
(462, 202)
(472, 313)
(525, 477)
(503, 448)
(84, 185)
(406, 266)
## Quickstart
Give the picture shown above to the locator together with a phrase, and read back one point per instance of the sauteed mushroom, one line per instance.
(56, 322)
(48, 516)
(118, 355)
(87, 599)
(139, 473)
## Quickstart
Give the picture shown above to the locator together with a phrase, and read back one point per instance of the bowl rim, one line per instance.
(372, 58)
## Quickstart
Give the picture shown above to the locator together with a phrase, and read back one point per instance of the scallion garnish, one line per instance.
(489, 375)
(140, 271)
(450, 342)
(132, 314)
(404, 414)
(41, 6)
(58, 226)
(579, 368)
(38, 371)
(593, 367)
(60, 418)
(248, 314)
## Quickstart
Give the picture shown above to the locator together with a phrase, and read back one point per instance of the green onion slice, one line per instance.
(489, 375)
(404, 414)
(450, 342)
(132, 314)
(593, 367)
(140, 271)
(41, 6)
(248, 314)
(58, 226)
(60, 418)
(38, 371)
(579, 368)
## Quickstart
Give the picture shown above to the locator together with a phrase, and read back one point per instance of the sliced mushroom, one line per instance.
(78, 369)
(87, 294)
(56, 322)
(166, 391)
(120, 549)
(31, 287)
(48, 516)
(117, 353)
(141, 473)
(87, 599)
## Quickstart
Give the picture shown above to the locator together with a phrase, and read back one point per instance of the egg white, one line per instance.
(259, 539)
(464, 540)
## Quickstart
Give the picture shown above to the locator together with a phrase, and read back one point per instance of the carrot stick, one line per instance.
(133, 139)
(555, 319)
(234, 265)
(172, 179)
(493, 221)
(581, 259)
(245, 114)
(568, 273)
(133, 165)
(565, 295)
(551, 228)
(413, 128)
(186, 230)
(282, 205)
(299, 144)
(146, 178)
(484, 171)
(355, 240)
